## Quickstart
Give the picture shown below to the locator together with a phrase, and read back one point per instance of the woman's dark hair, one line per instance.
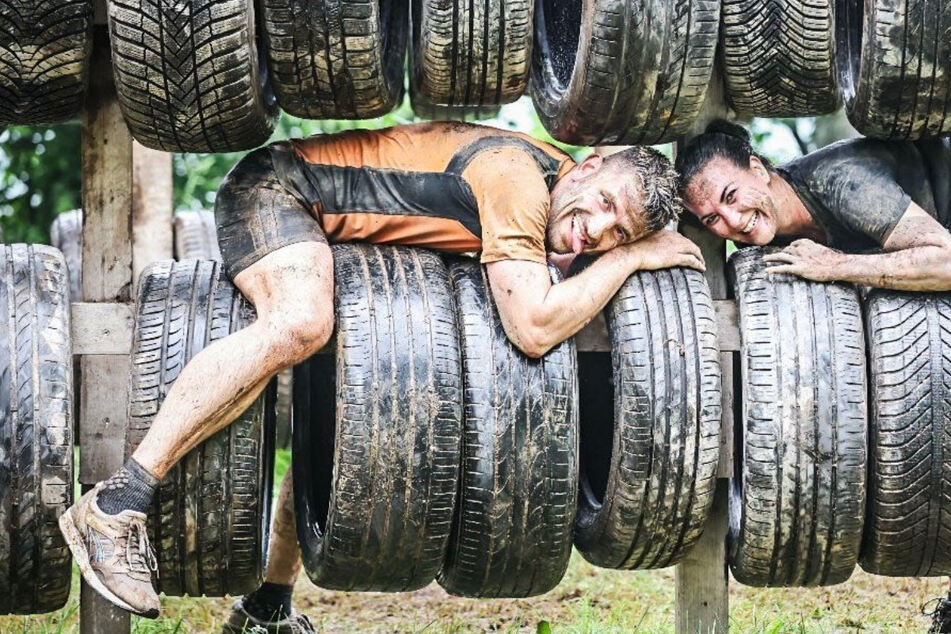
(720, 139)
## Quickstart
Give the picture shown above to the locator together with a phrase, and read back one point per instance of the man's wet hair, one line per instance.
(656, 180)
(720, 139)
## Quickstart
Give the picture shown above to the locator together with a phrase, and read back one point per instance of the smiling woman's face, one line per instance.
(734, 203)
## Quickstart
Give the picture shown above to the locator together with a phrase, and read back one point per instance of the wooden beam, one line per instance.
(151, 207)
(107, 276)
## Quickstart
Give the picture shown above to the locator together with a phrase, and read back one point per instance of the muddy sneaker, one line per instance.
(113, 554)
(240, 622)
(940, 615)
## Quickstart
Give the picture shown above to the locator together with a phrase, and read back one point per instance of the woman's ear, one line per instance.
(759, 170)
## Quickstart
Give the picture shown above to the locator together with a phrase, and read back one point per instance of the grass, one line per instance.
(588, 601)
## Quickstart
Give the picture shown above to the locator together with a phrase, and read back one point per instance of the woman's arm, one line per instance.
(917, 258)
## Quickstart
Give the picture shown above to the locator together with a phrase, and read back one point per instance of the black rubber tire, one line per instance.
(376, 435)
(424, 109)
(797, 499)
(210, 520)
(519, 483)
(36, 446)
(188, 74)
(645, 497)
(894, 60)
(44, 59)
(779, 57)
(622, 71)
(196, 237)
(469, 52)
(336, 59)
(909, 340)
(66, 234)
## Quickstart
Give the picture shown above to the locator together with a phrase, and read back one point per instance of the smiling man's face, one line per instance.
(733, 202)
(594, 209)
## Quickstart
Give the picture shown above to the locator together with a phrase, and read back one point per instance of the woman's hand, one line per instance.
(806, 259)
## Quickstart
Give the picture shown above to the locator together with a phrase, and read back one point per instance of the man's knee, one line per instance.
(298, 334)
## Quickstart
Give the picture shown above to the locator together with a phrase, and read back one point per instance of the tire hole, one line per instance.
(596, 404)
(561, 21)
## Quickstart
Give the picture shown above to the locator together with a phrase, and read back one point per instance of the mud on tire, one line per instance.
(625, 72)
(909, 488)
(36, 446)
(188, 74)
(210, 519)
(779, 57)
(471, 53)
(797, 499)
(645, 495)
(376, 436)
(336, 59)
(894, 60)
(518, 487)
(66, 234)
(44, 59)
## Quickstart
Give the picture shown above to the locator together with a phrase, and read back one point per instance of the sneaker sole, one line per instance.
(75, 542)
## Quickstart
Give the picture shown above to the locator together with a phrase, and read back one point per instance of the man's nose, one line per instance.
(598, 224)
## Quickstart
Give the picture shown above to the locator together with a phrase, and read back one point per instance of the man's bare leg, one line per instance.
(283, 554)
(292, 291)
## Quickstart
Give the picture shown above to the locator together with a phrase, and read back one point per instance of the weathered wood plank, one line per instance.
(151, 207)
(107, 276)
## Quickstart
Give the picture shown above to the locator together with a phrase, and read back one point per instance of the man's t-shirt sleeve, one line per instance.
(862, 193)
(513, 203)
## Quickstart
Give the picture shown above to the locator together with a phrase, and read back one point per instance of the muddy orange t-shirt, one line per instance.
(446, 186)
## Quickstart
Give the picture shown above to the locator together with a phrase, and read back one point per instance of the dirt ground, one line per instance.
(589, 600)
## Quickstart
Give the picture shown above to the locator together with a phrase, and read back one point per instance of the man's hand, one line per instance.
(664, 249)
(806, 259)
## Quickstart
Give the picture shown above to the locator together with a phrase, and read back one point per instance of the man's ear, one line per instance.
(759, 169)
(589, 165)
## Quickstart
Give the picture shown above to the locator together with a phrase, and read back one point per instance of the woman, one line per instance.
(864, 211)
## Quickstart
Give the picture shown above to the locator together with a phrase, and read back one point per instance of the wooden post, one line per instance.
(151, 207)
(107, 277)
(703, 590)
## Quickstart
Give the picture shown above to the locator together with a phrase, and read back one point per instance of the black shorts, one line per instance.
(256, 214)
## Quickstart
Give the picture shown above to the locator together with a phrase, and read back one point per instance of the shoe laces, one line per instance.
(138, 552)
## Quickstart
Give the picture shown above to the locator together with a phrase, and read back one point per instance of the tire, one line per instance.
(66, 234)
(894, 61)
(196, 237)
(44, 59)
(622, 71)
(797, 498)
(471, 53)
(172, 98)
(645, 497)
(336, 59)
(425, 109)
(36, 446)
(519, 483)
(909, 341)
(209, 522)
(779, 57)
(376, 438)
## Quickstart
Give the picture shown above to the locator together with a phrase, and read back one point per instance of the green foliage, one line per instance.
(39, 177)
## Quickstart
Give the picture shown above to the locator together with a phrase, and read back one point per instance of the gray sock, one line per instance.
(129, 488)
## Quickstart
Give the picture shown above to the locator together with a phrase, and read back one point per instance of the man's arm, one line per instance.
(917, 258)
(538, 315)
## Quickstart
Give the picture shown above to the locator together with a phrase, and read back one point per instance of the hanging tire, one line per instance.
(188, 74)
(44, 59)
(425, 109)
(645, 496)
(209, 522)
(468, 53)
(894, 59)
(797, 498)
(909, 343)
(36, 446)
(519, 482)
(630, 72)
(196, 237)
(66, 234)
(336, 59)
(376, 438)
(779, 57)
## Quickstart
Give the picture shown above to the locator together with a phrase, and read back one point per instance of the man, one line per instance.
(870, 212)
(448, 186)
(863, 211)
